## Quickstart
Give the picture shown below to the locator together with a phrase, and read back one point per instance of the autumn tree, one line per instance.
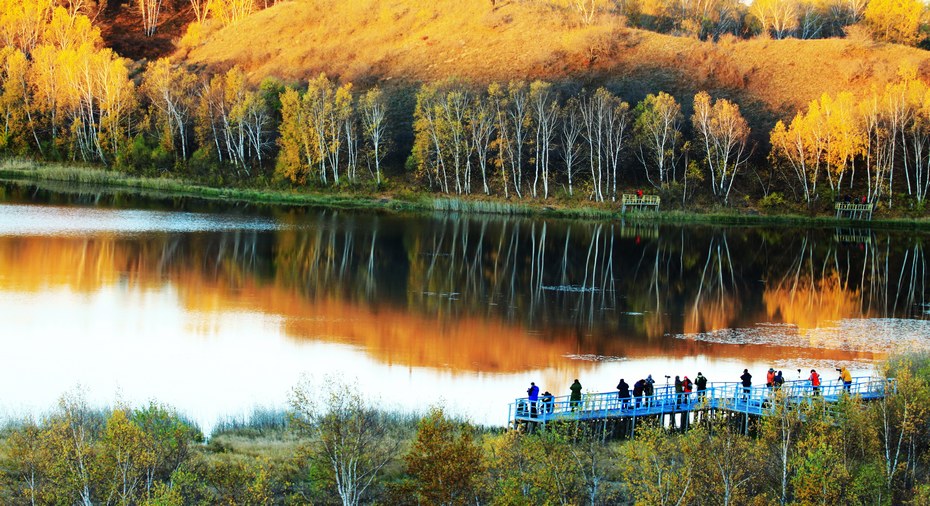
(728, 460)
(896, 21)
(444, 461)
(723, 133)
(657, 134)
(17, 129)
(798, 147)
(350, 437)
(30, 461)
(900, 417)
(149, 10)
(779, 18)
(655, 467)
(236, 120)
(374, 122)
(570, 133)
(780, 431)
(230, 11)
(125, 456)
(545, 113)
(172, 92)
(482, 129)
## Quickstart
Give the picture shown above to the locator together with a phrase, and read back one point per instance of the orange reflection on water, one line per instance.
(393, 332)
(809, 304)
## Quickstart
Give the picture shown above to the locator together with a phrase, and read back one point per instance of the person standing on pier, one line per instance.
(770, 378)
(623, 394)
(649, 389)
(679, 390)
(701, 383)
(638, 388)
(747, 383)
(688, 386)
(846, 378)
(779, 380)
(815, 381)
(576, 394)
(533, 396)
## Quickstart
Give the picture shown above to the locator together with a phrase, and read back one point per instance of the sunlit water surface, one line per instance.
(216, 310)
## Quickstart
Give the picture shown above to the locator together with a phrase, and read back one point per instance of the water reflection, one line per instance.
(461, 303)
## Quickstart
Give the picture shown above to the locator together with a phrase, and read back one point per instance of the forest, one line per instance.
(333, 447)
(68, 98)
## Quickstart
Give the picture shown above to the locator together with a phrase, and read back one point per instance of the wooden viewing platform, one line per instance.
(730, 397)
(854, 211)
(644, 202)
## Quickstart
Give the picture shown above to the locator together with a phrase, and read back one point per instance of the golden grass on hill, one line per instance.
(410, 41)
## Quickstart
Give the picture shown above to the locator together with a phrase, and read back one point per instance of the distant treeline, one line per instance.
(333, 447)
(65, 97)
(886, 20)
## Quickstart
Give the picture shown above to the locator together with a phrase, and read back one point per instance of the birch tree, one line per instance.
(482, 125)
(518, 116)
(657, 133)
(545, 113)
(779, 18)
(150, 10)
(723, 133)
(572, 124)
(374, 123)
(172, 93)
(351, 439)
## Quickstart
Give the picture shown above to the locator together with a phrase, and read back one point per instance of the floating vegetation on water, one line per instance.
(872, 335)
(595, 358)
(570, 288)
(442, 295)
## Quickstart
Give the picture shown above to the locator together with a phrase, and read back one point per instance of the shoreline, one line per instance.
(31, 172)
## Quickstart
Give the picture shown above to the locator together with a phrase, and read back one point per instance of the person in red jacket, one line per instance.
(686, 384)
(815, 381)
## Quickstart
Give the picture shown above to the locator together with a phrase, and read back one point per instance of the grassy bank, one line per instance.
(402, 201)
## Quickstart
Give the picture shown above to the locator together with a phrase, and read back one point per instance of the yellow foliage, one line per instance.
(895, 20)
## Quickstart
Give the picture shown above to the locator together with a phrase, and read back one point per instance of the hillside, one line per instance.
(406, 42)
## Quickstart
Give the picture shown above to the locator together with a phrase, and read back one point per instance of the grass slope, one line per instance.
(408, 41)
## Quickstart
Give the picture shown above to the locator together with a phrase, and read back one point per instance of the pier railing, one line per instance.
(636, 201)
(730, 396)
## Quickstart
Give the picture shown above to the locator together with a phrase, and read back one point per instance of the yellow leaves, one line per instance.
(895, 20)
(230, 11)
(66, 30)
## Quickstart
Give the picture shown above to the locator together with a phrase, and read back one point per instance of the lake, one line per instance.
(216, 308)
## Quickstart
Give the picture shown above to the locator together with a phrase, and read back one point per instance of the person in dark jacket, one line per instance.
(533, 396)
(779, 380)
(701, 383)
(623, 393)
(679, 390)
(576, 394)
(638, 389)
(547, 402)
(746, 378)
(649, 389)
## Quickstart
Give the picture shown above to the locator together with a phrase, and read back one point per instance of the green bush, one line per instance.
(773, 201)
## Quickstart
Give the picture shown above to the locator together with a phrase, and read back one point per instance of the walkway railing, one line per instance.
(854, 211)
(631, 200)
(756, 400)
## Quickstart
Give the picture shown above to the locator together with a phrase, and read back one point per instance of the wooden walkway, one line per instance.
(854, 211)
(632, 201)
(731, 397)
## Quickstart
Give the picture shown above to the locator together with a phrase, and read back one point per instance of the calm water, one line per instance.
(216, 309)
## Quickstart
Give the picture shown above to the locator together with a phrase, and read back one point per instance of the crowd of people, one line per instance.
(643, 390)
